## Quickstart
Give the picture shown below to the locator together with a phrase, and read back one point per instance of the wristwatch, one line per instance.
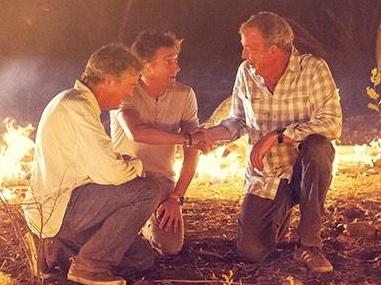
(188, 139)
(179, 199)
(279, 132)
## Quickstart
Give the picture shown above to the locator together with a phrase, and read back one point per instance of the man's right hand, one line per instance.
(202, 140)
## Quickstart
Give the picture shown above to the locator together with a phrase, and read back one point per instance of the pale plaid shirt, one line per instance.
(305, 101)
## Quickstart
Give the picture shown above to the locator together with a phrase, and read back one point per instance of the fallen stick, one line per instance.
(183, 281)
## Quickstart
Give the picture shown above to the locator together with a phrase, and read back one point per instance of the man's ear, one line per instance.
(274, 50)
(108, 80)
(147, 67)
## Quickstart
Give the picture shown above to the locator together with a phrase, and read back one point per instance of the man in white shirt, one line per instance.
(82, 194)
(160, 114)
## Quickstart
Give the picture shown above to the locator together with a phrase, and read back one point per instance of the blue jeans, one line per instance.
(262, 222)
(102, 223)
(165, 243)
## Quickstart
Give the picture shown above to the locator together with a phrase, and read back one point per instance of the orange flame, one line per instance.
(16, 153)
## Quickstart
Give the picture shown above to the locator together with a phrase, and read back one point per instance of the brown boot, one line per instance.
(313, 258)
(85, 274)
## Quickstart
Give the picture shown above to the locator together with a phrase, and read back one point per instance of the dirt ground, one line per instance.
(351, 241)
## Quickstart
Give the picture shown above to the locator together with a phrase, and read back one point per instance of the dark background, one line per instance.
(45, 44)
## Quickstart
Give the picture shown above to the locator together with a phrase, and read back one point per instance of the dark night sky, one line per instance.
(44, 44)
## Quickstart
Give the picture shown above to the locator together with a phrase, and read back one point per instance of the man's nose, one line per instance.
(176, 67)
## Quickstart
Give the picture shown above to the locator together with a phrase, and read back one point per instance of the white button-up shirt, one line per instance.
(72, 149)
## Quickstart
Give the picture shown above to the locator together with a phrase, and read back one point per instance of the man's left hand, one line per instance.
(261, 148)
(169, 214)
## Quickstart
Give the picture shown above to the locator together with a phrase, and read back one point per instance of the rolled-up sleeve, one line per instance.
(236, 122)
(189, 119)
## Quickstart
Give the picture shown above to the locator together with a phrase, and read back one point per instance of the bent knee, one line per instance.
(317, 148)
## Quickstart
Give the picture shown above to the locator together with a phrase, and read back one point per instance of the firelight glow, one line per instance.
(16, 153)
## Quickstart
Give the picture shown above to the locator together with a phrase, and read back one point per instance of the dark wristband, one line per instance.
(280, 136)
(188, 138)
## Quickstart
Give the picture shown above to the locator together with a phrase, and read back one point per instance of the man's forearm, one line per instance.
(188, 170)
(131, 123)
(219, 133)
(157, 136)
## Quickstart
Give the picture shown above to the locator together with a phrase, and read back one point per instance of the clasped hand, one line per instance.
(202, 140)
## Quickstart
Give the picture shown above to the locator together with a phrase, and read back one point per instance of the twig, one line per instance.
(184, 281)
(3, 264)
(209, 253)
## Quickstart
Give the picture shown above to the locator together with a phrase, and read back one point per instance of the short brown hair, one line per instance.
(275, 30)
(148, 42)
(112, 59)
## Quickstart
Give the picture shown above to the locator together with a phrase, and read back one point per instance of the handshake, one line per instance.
(202, 139)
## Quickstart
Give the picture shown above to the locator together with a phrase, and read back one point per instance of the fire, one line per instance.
(218, 165)
(365, 154)
(16, 153)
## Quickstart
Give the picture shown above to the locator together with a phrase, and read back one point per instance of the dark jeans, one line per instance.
(262, 222)
(102, 223)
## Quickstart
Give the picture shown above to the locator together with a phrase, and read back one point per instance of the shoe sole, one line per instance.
(322, 270)
(78, 279)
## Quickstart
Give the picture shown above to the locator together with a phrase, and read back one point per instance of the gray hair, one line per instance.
(275, 30)
(110, 59)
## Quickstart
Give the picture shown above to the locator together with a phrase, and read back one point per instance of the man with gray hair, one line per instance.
(289, 106)
(85, 201)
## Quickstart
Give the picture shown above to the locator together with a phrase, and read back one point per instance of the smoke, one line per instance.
(29, 82)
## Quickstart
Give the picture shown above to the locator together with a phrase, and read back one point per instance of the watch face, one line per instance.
(181, 200)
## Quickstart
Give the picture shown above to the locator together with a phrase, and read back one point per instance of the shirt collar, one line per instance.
(141, 89)
(293, 63)
(86, 92)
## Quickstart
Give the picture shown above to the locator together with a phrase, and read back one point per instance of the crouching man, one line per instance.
(161, 113)
(287, 102)
(84, 196)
